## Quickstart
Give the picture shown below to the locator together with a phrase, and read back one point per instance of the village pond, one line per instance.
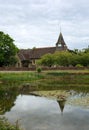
(47, 110)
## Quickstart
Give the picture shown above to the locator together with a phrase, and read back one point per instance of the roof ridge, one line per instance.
(42, 48)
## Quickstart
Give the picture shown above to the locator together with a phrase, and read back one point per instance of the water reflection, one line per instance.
(40, 113)
(61, 104)
(7, 99)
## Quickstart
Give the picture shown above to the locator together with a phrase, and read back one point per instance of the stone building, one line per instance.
(28, 57)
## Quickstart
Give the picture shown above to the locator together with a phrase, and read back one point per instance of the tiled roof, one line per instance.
(24, 54)
(38, 52)
(35, 53)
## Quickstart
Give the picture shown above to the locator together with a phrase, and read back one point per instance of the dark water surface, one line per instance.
(40, 113)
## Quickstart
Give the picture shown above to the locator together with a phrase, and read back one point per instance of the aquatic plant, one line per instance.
(5, 125)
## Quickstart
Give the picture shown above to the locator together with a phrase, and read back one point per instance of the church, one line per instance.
(28, 57)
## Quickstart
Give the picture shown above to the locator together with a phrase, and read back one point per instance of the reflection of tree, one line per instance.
(7, 99)
(61, 104)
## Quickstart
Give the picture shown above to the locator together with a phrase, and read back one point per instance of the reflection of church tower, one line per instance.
(61, 104)
(60, 45)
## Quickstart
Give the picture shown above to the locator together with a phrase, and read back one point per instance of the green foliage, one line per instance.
(47, 60)
(65, 58)
(5, 125)
(62, 58)
(39, 70)
(7, 50)
(79, 65)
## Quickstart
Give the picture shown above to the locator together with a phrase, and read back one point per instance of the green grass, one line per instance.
(15, 79)
(47, 80)
(19, 76)
(64, 80)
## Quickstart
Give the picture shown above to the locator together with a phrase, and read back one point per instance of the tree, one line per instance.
(8, 50)
(46, 60)
(63, 58)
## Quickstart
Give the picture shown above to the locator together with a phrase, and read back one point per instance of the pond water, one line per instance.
(42, 113)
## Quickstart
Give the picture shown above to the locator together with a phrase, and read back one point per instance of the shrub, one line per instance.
(39, 70)
(79, 65)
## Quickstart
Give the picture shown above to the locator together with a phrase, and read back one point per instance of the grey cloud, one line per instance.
(37, 22)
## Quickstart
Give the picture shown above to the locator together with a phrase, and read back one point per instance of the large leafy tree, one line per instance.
(46, 60)
(62, 58)
(8, 50)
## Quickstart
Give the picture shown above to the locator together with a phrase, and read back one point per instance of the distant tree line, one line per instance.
(66, 58)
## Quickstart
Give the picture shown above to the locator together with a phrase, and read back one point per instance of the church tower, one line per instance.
(61, 45)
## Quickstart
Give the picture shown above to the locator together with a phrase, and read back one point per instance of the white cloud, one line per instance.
(37, 22)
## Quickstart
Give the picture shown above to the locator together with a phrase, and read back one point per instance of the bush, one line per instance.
(79, 65)
(39, 70)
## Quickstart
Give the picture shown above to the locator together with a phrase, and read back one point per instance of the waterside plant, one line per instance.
(5, 125)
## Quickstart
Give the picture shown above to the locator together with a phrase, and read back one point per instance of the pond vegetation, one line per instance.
(5, 125)
(46, 80)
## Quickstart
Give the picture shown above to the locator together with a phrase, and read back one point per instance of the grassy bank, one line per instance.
(9, 80)
(47, 80)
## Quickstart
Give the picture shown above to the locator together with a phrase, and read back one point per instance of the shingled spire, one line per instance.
(61, 43)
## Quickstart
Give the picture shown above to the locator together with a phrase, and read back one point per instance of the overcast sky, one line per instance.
(36, 23)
